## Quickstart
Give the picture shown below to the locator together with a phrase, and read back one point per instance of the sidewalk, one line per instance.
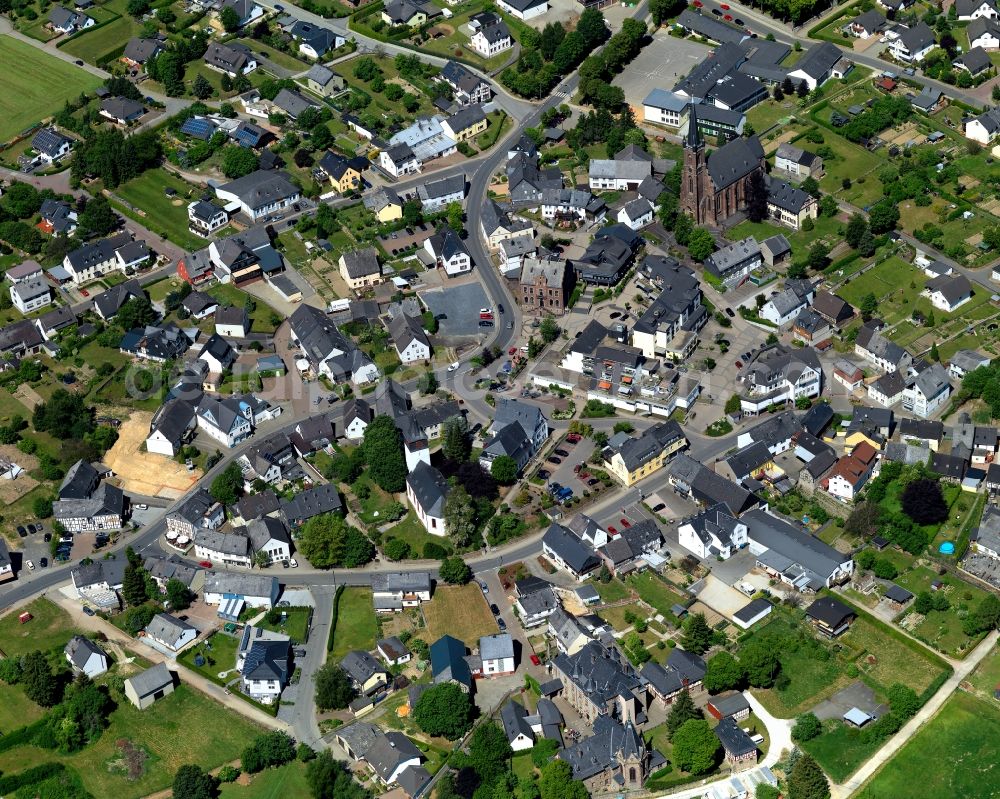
(188, 677)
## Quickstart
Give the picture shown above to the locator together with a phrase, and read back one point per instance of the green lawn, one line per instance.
(164, 215)
(93, 45)
(612, 591)
(16, 710)
(655, 592)
(184, 727)
(278, 57)
(9, 406)
(374, 507)
(49, 629)
(379, 101)
(413, 533)
(275, 783)
(894, 660)
(826, 229)
(295, 626)
(263, 315)
(953, 755)
(37, 88)
(841, 749)
(356, 627)
(848, 161)
(219, 652)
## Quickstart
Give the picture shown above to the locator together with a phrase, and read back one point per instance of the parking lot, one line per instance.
(659, 66)
(563, 473)
(457, 308)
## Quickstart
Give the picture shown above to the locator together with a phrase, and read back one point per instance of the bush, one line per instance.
(807, 727)
(228, 774)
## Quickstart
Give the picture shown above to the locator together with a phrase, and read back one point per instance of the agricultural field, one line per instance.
(38, 88)
(953, 754)
(107, 40)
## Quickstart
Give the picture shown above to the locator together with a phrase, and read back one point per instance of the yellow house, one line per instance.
(367, 674)
(466, 123)
(853, 438)
(633, 459)
(360, 268)
(344, 175)
(385, 204)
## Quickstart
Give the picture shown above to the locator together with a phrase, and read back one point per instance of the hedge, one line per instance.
(29, 777)
(333, 624)
(22, 736)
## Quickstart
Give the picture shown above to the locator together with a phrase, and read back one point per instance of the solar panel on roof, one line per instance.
(200, 128)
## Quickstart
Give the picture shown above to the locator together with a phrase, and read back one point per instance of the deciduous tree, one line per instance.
(383, 451)
(444, 710)
(695, 747)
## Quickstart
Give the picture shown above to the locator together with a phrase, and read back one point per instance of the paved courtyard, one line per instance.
(660, 65)
(457, 308)
(857, 695)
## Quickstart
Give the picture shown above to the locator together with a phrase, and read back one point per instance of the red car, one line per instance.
(512, 351)
(573, 438)
(205, 564)
(612, 530)
(578, 467)
(584, 475)
(535, 660)
(724, 6)
(625, 523)
(728, 17)
(697, 3)
(84, 292)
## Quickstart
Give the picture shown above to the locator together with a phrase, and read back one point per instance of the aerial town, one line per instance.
(499, 399)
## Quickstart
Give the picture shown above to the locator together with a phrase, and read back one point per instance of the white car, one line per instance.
(453, 367)
(293, 563)
(31, 565)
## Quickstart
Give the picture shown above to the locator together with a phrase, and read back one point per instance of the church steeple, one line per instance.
(693, 139)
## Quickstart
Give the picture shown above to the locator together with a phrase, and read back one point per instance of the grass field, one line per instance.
(260, 317)
(461, 611)
(355, 623)
(840, 749)
(164, 215)
(613, 591)
(655, 592)
(219, 652)
(413, 533)
(952, 755)
(37, 88)
(50, 629)
(16, 709)
(185, 727)
(93, 45)
(295, 626)
(275, 783)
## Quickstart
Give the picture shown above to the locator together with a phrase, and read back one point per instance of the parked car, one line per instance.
(584, 475)
(553, 459)
(47, 537)
(625, 522)
(535, 660)
(501, 624)
(484, 586)
(544, 474)
(555, 488)
(293, 563)
(43, 563)
(494, 609)
(577, 468)
(593, 481)
(32, 529)
(658, 507)
(30, 565)
(729, 313)
(562, 453)
(205, 564)
(573, 438)
(88, 611)
(21, 531)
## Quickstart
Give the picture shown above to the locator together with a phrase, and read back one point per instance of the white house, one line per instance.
(984, 33)
(170, 427)
(254, 590)
(30, 295)
(636, 214)
(426, 491)
(169, 632)
(227, 420)
(263, 663)
(449, 251)
(204, 218)
(259, 194)
(270, 536)
(927, 392)
(491, 40)
(399, 160)
(968, 10)
(783, 307)
(86, 657)
(497, 654)
(232, 321)
(913, 44)
(231, 549)
(850, 474)
(409, 339)
(713, 532)
(948, 292)
(393, 591)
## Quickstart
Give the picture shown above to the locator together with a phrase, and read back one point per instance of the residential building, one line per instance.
(30, 295)
(536, 605)
(146, 687)
(879, 350)
(323, 80)
(683, 671)
(228, 420)
(832, 308)
(157, 343)
(519, 430)
(247, 11)
(391, 756)
(784, 307)
(733, 264)
(818, 64)
(634, 458)
(545, 286)
(315, 42)
(491, 36)
(714, 531)
(693, 479)
(393, 591)
(796, 162)
(524, 9)
(829, 616)
(662, 107)
(204, 218)
(170, 633)
(326, 350)
(968, 10)
(88, 503)
(496, 652)
(598, 682)
(438, 194)
(668, 326)
(230, 59)
(608, 256)
(250, 590)
(62, 20)
(740, 751)
(636, 213)
(913, 44)
(53, 322)
(385, 204)
(792, 556)
(497, 225)
(965, 361)
(789, 205)
(344, 174)
(393, 651)
(260, 194)
(985, 127)
(851, 473)
(948, 292)
(86, 657)
(449, 663)
(360, 268)
(778, 374)
(399, 159)
(926, 392)
(91, 261)
(412, 13)
(367, 674)
(409, 339)
(618, 174)
(866, 24)
(51, 145)
(121, 110)
(269, 536)
(449, 252)
(568, 552)
(984, 33)
(232, 549)
(264, 663)
(311, 502)
(468, 87)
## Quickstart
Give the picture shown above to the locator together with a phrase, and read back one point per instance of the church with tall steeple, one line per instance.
(716, 186)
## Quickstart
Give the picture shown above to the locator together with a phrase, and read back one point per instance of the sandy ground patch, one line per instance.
(28, 396)
(144, 472)
(12, 490)
(721, 597)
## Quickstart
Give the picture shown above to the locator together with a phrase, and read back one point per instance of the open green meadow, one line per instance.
(37, 88)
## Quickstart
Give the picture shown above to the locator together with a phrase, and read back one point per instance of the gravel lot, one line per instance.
(659, 66)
